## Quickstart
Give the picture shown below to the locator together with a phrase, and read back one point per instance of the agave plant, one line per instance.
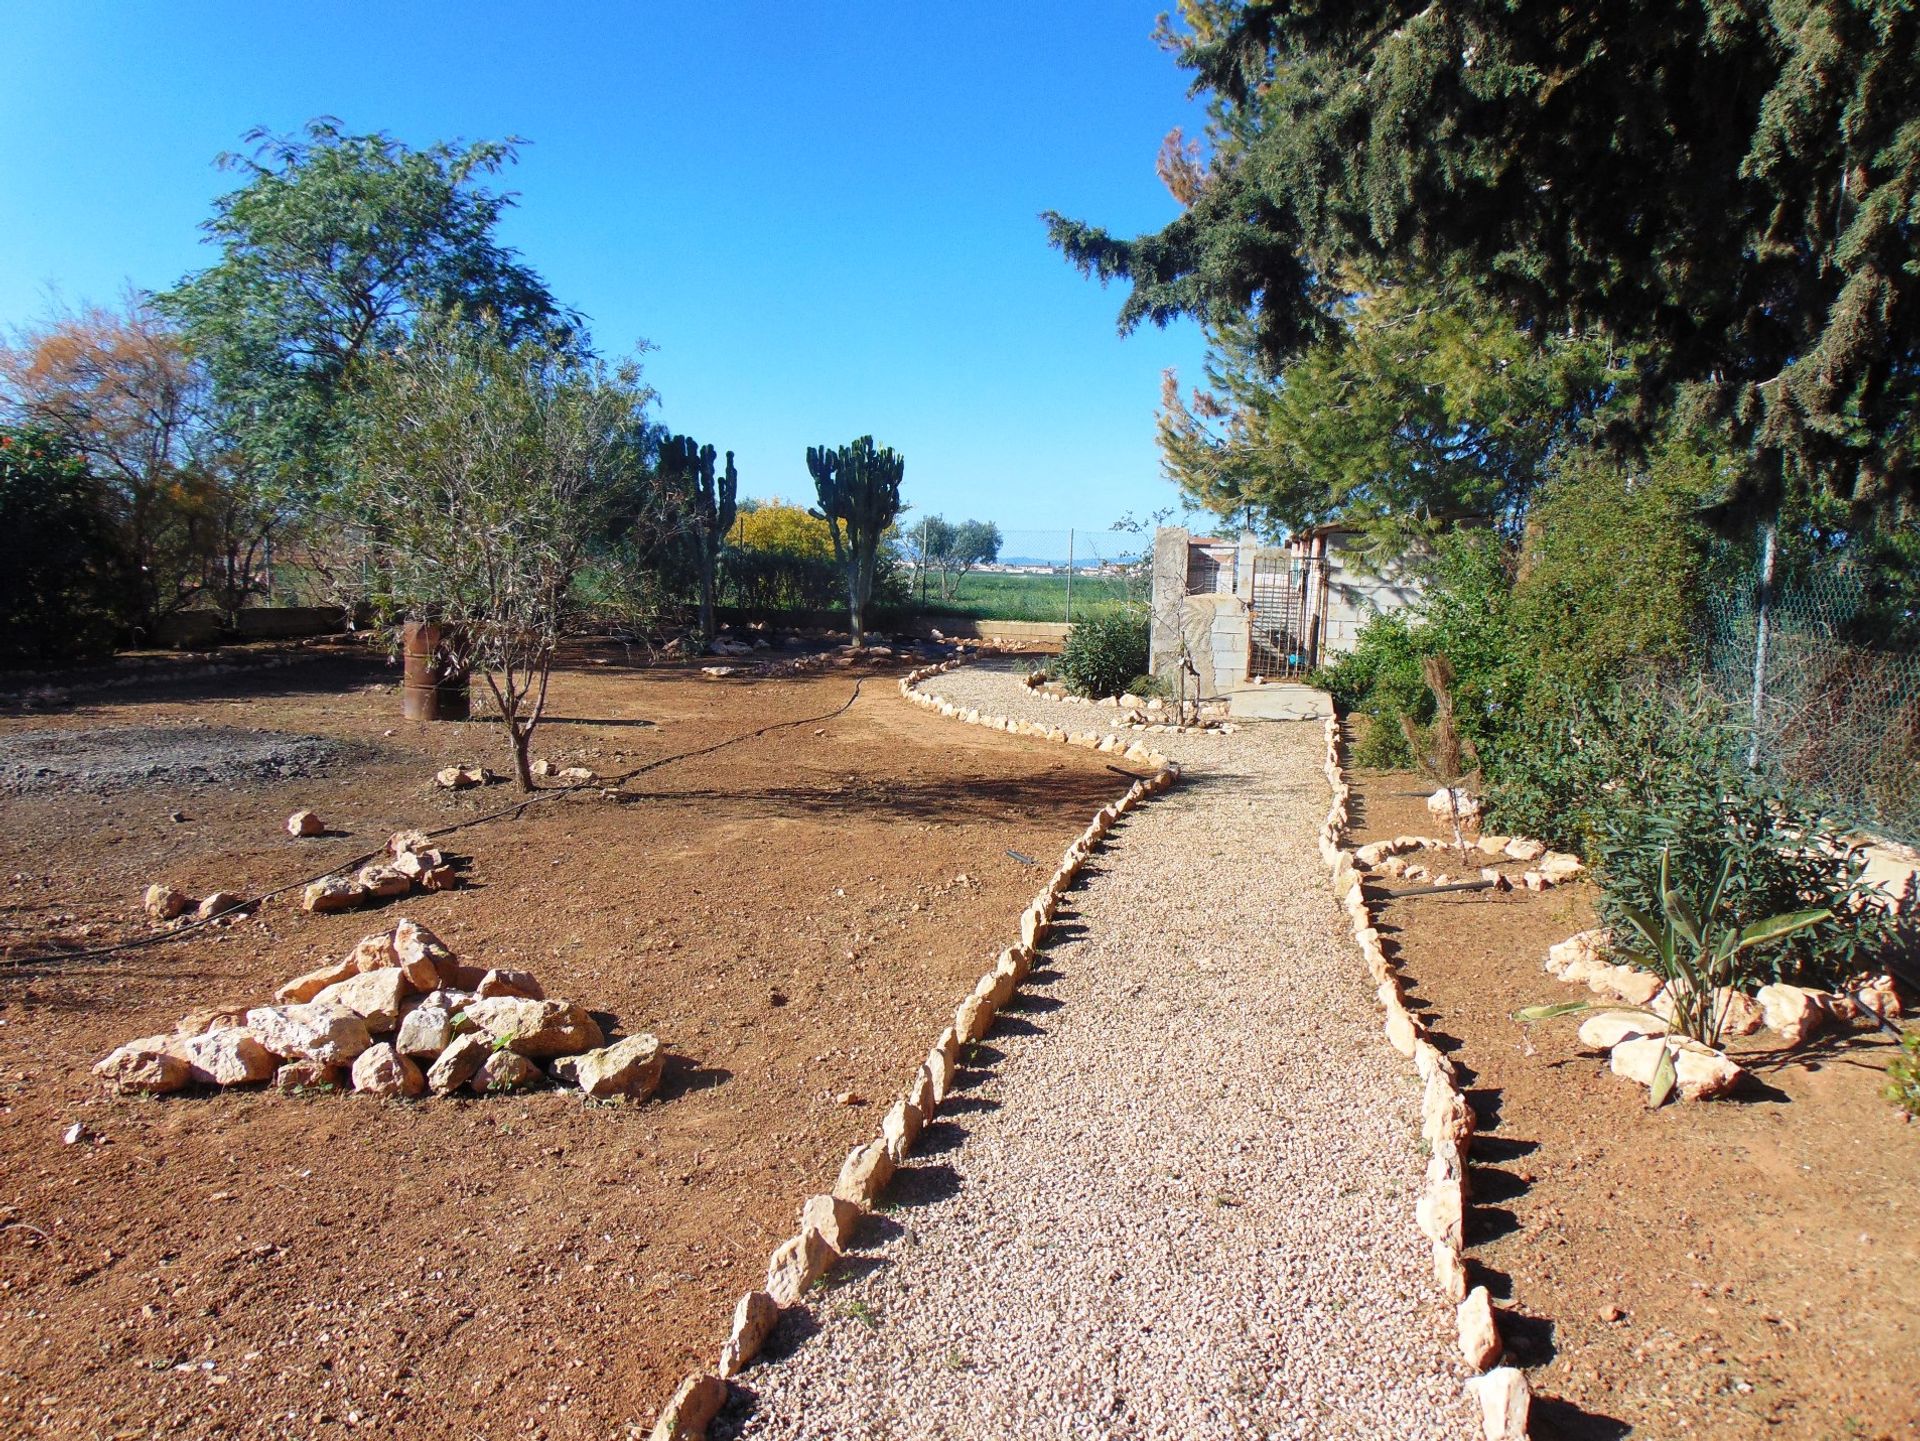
(1697, 953)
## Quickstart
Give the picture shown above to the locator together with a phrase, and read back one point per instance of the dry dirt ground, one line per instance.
(792, 915)
(1745, 1268)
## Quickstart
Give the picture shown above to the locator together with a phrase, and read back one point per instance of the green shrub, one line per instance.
(1105, 651)
(1646, 771)
(1903, 1076)
(1148, 686)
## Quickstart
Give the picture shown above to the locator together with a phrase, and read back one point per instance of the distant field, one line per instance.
(1029, 597)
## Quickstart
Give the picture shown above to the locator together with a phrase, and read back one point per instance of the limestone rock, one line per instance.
(460, 778)
(538, 1030)
(440, 878)
(383, 881)
(152, 1066)
(501, 982)
(1525, 849)
(415, 947)
(1880, 996)
(629, 1068)
(1793, 1013)
(1634, 986)
(1440, 1213)
(697, 1401)
(375, 996)
(407, 842)
(210, 1018)
(921, 1093)
(939, 1069)
(753, 1320)
(1558, 867)
(505, 1071)
(834, 1217)
(305, 823)
(414, 865)
(219, 903)
(305, 988)
(163, 903)
(800, 1261)
(1504, 1403)
(1448, 1272)
(1607, 1029)
(864, 1174)
(900, 1128)
(973, 1019)
(309, 1076)
(374, 953)
(229, 1056)
(1740, 1014)
(1701, 1075)
(315, 1031)
(456, 1065)
(1493, 845)
(1479, 1337)
(335, 893)
(380, 1070)
(425, 1030)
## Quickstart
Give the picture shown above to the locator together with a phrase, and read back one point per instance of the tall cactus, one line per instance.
(859, 490)
(685, 462)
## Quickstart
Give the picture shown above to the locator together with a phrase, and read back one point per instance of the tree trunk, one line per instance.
(521, 740)
(706, 600)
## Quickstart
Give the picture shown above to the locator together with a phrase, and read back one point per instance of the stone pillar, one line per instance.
(1168, 597)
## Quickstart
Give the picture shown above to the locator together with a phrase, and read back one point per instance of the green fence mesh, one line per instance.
(1834, 708)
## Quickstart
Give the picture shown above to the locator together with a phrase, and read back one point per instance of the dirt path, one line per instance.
(1175, 1195)
(792, 915)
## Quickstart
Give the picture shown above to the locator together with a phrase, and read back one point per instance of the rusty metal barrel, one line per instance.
(429, 690)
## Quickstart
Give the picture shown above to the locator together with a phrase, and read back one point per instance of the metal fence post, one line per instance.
(1069, 575)
(1763, 607)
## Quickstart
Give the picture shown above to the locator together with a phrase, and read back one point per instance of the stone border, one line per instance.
(1446, 1126)
(827, 1222)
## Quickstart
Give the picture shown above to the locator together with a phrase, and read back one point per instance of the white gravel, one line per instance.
(1178, 1200)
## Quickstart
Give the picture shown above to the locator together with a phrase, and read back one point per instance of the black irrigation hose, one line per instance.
(160, 938)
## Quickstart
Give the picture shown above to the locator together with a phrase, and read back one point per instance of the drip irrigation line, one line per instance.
(160, 938)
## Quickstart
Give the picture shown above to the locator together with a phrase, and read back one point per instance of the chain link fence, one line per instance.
(1827, 677)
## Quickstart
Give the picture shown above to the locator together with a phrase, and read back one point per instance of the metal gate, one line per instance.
(1286, 612)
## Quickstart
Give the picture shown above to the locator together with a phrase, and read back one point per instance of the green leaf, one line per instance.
(1661, 1086)
(1680, 914)
(1774, 927)
(1558, 1009)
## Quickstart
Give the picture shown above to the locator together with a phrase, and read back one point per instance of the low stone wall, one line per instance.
(1446, 1125)
(828, 1221)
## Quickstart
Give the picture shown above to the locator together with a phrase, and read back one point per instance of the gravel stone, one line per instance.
(1180, 1202)
(103, 761)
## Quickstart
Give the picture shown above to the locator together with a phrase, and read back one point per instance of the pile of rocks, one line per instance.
(1446, 1122)
(170, 906)
(411, 862)
(1633, 1039)
(1548, 868)
(1088, 740)
(399, 1016)
(827, 1222)
(1137, 713)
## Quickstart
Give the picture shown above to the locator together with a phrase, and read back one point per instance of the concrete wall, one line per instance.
(1354, 596)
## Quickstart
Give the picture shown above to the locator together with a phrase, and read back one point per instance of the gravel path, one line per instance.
(1178, 1202)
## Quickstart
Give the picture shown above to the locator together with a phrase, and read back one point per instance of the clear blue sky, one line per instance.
(823, 216)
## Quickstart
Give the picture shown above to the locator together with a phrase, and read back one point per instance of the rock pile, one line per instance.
(412, 862)
(166, 905)
(1549, 868)
(399, 1016)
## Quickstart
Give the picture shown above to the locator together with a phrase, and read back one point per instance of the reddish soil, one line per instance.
(793, 915)
(1744, 1268)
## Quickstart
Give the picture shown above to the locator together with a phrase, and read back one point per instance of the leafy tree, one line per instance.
(776, 527)
(485, 469)
(859, 489)
(120, 388)
(57, 581)
(1733, 184)
(1426, 406)
(333, 249)
(950, 550)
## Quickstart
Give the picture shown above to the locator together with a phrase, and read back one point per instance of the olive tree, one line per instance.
(482, 468)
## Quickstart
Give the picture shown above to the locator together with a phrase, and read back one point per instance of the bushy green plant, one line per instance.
(1903, 1076)
(1105, 651)
(57, 588)
(1148, 686)
(1647, 772)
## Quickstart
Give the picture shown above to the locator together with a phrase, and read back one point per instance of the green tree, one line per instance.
(57, 558)
(1731, 183)
(950, 550)
(1425, 407)
(334, 248)
(859, 490)
(485, 469)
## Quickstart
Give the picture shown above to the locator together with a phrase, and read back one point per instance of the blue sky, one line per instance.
(823, 216)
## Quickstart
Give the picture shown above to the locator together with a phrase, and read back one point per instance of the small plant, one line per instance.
(1699, 955)
(1447, 757)
(863, 1313)
(1105, 651)
(1903, 1076)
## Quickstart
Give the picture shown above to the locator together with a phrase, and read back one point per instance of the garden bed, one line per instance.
(1735, 1269)
(788, 914)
